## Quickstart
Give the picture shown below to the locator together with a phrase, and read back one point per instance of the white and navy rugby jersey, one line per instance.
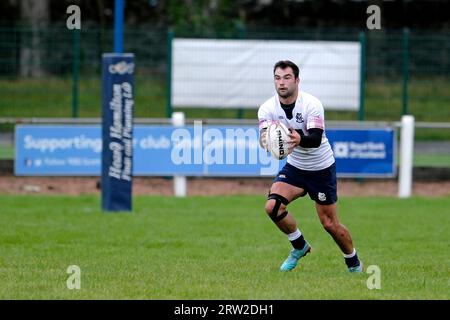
(308, 113)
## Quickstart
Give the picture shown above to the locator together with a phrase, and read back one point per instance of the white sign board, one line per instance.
(239, 73)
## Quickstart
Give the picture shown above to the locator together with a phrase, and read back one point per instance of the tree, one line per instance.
(35, 15)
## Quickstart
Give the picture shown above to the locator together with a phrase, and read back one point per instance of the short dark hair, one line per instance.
(283, 64)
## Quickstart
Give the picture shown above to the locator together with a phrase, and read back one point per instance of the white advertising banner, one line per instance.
(216, 73)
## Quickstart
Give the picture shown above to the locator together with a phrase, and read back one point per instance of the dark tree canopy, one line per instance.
(210, 14)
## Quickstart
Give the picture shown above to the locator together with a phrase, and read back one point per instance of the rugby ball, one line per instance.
(278, 140)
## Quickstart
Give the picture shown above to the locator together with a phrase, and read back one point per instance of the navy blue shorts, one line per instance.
(320, 185)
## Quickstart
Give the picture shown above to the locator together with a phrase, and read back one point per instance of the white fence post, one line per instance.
(179, 182)
(406, 157)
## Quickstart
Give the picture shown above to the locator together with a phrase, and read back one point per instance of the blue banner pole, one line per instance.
(119, 8)
(117, 131)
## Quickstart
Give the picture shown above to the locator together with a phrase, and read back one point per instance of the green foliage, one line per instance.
(202, 17)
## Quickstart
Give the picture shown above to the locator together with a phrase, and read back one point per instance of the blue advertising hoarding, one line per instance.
(192, 151)
(364, 152)
(43, 150)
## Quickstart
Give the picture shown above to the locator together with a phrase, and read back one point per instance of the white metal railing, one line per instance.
(206, 121)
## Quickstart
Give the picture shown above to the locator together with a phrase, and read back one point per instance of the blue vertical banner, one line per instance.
(117, 131)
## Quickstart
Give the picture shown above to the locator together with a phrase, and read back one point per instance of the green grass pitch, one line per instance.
(217, 248)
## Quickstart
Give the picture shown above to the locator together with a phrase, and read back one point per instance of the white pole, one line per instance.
(179, 182)
(406, 157)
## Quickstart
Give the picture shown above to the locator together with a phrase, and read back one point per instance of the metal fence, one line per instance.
(55, 72)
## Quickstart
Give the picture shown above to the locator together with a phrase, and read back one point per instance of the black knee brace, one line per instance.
(278, 201)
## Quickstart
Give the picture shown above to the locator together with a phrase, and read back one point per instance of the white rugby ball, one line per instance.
(278, 140)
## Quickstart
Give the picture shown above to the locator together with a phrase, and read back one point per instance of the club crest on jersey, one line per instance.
(299, 118)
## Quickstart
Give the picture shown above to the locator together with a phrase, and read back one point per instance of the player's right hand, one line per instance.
(263, 139)
(295, 139)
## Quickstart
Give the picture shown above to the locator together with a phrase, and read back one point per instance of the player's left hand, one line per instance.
(295, 139)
